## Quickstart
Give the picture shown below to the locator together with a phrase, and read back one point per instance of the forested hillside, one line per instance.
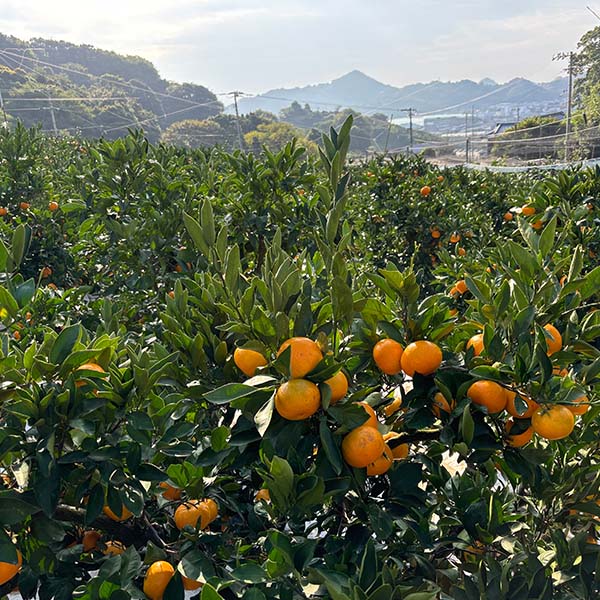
(86, 91)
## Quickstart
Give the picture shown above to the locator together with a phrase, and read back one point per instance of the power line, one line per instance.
(112, 81)
(70, 98)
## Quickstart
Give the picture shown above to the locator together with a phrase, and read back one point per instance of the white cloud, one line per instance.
(259, 44)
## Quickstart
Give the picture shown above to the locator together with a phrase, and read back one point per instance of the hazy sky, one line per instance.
(254, 45)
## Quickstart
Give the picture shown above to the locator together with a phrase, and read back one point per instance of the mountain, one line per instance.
(363, 93)
(111, 91)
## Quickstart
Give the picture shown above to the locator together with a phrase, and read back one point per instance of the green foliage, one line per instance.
(165, 260)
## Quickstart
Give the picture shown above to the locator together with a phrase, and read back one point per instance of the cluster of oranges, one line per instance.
(191, 513)
(526, 211)
(552, 422)
(298, 398)
(365, 446)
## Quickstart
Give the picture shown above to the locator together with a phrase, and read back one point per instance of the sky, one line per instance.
(257, 45)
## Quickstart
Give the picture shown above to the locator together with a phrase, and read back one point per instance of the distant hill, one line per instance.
(114, 91)
(361, 92)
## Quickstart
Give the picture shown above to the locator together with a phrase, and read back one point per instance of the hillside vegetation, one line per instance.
(114, 93)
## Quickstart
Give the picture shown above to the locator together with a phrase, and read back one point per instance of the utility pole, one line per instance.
(53, 117)
(387, 137)
(235, 95)
(570, 56)
(410, 128)
(4, 117)
(569, 107)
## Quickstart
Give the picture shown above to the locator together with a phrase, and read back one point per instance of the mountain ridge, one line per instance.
(360, 91)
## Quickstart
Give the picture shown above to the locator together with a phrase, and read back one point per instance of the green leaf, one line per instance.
(467, 425)
(149, 472)
(4, 254)
(64, 344)
(13, 509)
(20, 245)
(195, 231)
(547, 237)
(174, 590)
(229, 392)
(249, 573)
(280, 482)
(262, 418)
(218, 438)
(8, 302)
(209, 593)
(207, 221)
(368, 566)
(331, 449)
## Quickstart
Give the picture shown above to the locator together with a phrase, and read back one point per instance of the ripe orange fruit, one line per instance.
(305, 355)
(213, 509)
(125, 514)
(190, 584)
(157, 579)
(362, 446)
(488, 394)
(190, 512)
(393, 407)
(537, 224)
(382, 464)
(90, 540)
(532, 406)
(421, 357)
(46, 272)
(440, 178)
(553, 422)
(17, 335)
(476, 342)
(262, 494)
(338, 385)
(455, 238)
(581, 407)
(24, 205)
(425, 191)
(528, 211)
(461, 286)
(462, 252)
(508, 216)
(88, 367)
(436, 233)
(400, 452)
(171, 492)
(554, 340)
(560, 372)
(440, 404)
(3, 211)
(520, 439)
(247, 361)
(387, 355)
(372, 420)
(114, 548)
(171, 294)
(52, 206)
(8, 570)
(297, 399)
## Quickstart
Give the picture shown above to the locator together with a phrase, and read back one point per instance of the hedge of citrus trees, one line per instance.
(239, 376)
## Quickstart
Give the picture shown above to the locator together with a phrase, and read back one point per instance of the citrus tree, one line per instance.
(308, 407)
